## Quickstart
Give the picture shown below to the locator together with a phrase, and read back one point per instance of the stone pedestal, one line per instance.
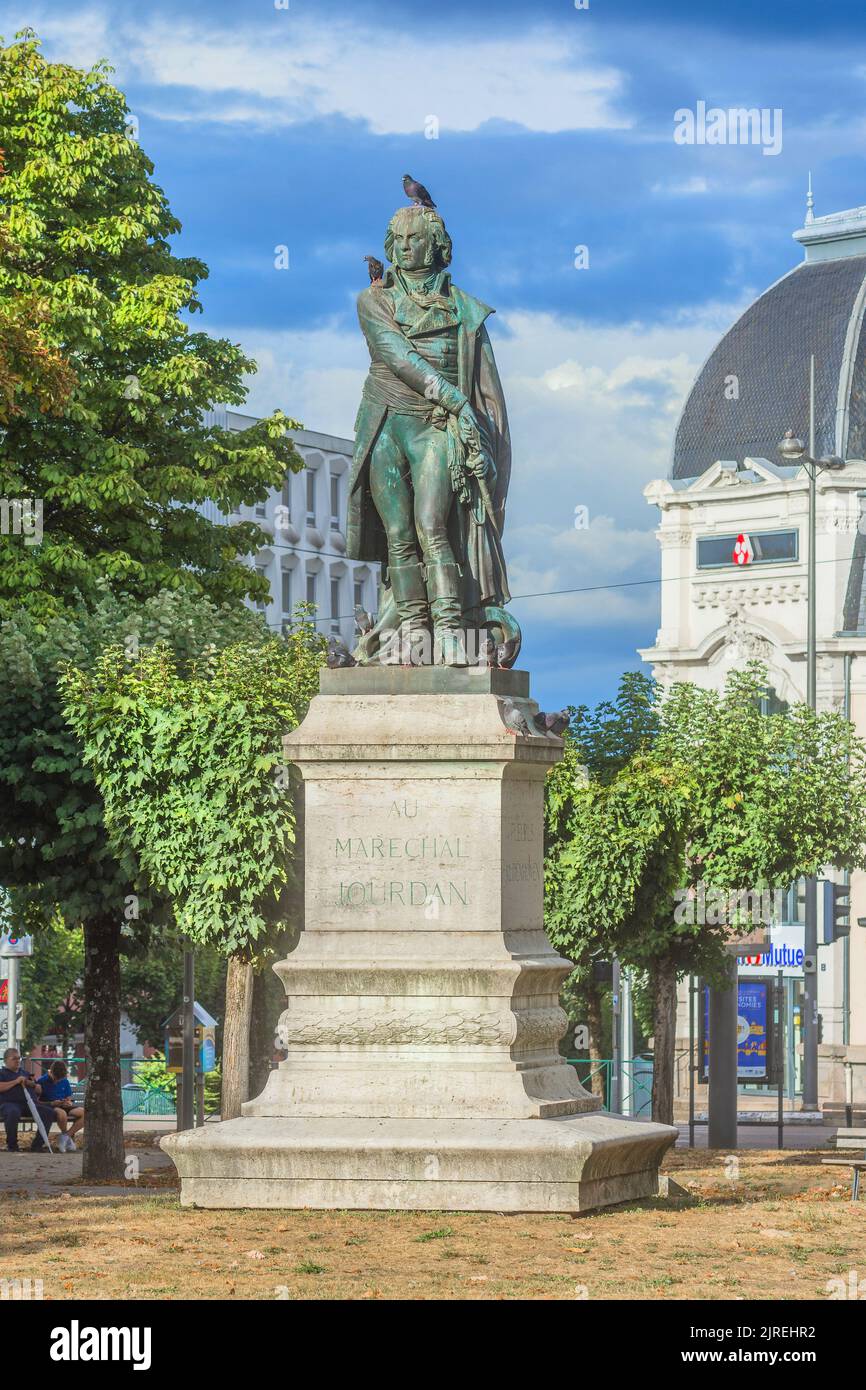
(423, 1015)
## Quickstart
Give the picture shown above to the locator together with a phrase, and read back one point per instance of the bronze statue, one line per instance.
(432, 460)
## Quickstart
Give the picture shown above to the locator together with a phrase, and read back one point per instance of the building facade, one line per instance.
(734, 540)
(305, 521)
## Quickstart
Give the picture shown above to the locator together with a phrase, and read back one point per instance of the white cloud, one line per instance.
(683, 189)
(296, 68)
(314, 374)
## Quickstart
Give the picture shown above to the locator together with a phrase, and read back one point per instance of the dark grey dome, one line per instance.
(817, 308)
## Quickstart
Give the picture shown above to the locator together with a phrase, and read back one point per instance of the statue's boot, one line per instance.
(449, 641)
(411, 642)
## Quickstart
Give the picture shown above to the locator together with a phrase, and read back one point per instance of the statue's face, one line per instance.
(412, 248)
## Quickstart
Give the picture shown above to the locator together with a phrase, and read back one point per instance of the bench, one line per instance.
(851, 1139)
(856, 1165)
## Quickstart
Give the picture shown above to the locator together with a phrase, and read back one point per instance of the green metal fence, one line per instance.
(637, 1081)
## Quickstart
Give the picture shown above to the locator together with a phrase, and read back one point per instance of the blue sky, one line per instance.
(293, 126)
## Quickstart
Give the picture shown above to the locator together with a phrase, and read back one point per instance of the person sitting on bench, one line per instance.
(56, 1091)
(13, 1102)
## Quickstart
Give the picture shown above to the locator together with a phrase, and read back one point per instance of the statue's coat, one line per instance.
(387, 325)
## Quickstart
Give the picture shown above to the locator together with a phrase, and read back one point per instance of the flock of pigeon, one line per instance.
(514, 719)
(421, 198)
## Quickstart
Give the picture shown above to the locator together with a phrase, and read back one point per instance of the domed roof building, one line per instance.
(815, 308)
(734, 539)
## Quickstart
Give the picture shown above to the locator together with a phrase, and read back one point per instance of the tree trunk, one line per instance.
(664, 979)
(595, 1028)
(236, 1037)
(103, 1146)
(261, 1033)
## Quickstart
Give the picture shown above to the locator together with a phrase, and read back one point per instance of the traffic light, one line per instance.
(837, 911)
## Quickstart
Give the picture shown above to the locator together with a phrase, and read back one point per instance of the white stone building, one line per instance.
(305, 560)
(729, 481)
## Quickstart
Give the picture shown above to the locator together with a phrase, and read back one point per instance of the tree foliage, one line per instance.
(658, 793)
(53, 845)
(95, 325)
(190, 767)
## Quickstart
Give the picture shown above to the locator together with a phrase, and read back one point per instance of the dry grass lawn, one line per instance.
(780, 1228)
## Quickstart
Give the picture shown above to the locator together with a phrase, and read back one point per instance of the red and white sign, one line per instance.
(743, 553)
(12, 945)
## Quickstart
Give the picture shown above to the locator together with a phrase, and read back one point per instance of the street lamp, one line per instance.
(793, 450)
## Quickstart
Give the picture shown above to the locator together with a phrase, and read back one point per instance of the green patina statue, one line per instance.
(432, 461)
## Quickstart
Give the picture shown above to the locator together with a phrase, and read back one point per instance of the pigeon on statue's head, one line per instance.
(417, 192)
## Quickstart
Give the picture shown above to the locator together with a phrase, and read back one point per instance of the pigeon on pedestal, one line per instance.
(363, 620)
(338, 654)
(551, 723)
(514, 719)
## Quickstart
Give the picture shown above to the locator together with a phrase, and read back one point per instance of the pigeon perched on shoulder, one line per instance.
(551, 723)
(363, 620)
(417, 192)
(338, 654)
(514, 719)
(376, 269)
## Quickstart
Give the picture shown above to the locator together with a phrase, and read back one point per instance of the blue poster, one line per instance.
(752, 1029)
(208, 1055)
(753, 1001)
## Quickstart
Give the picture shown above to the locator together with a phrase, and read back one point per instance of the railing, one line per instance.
(637, 1081)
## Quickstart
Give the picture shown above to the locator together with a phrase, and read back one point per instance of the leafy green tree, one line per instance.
(599, 744)
(191, 771)
(33, 374)
(697, 787)
(104, 387)
(55, 855)
(93, 296)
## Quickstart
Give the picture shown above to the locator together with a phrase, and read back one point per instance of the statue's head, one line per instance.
(416, 239)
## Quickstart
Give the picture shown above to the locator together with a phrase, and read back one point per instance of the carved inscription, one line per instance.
(402, 869)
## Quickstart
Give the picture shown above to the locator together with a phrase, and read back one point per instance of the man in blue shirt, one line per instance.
(13, 1102)
(56, 1091)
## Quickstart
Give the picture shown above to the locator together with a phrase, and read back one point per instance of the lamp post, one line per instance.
(793, 450)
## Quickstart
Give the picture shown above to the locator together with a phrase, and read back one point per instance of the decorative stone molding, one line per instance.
(673, 538)
(739, 636)
(448, 1028)
(756, 594)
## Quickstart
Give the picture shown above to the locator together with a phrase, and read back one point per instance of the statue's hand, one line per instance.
(467, 427)
(481, 465)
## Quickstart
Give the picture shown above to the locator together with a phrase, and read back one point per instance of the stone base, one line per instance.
(422, 1018)
(573, 1164)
